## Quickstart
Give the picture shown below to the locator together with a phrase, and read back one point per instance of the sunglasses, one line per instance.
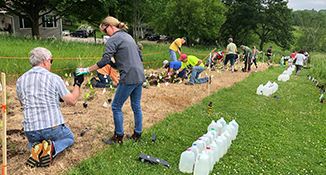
(106, 28)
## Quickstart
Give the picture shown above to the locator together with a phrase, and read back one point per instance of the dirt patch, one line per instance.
(157, 102)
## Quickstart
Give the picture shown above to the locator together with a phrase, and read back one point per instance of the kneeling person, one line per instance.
(196, 66)
(38, 91)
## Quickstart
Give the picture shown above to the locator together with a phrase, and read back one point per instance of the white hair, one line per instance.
(38, 54)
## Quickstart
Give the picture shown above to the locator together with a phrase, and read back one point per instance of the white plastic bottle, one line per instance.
(236, 126)
(219, 128)
(225, 144)
(222, 121)
(210, 153)
(212, 125)
(231, 130)
(186, 163)
(275, 87)
(206, 139)
(260, 89)
(201, 145)
(220, 145)
(202, 164)
(214, 147)
(210, 135)
(195, 150)
(228, 138)
(214, 133)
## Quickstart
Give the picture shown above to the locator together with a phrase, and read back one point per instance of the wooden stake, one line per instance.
(209, 54)
(209, 72)
(4, 124)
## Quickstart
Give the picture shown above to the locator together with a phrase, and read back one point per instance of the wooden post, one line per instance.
(209, 54)
(209, 72)
(4, 124)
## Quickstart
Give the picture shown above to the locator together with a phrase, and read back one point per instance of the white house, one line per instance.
(51, 28)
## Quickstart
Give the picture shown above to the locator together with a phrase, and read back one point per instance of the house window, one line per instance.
(25, 23)
(49, 21)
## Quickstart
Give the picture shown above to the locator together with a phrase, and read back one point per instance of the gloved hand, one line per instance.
(78, 79)
(82, 71)
(113, 65)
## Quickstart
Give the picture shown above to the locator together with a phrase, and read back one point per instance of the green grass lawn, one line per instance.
(276, 136)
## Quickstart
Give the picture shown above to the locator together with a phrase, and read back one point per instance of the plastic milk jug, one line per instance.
(201, 145)
(212, 125)
(260, 89)
(211, 158)
(206, 139)
(225, 145)
(228, 138)
(222, 121)
(186, 163)
(236, 126)
(214, 133)
(195, 150)
(210, 136)
(220, 145)
(214, 147)
(202, 164)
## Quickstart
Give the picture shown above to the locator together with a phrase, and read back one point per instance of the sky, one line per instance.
(307, 4)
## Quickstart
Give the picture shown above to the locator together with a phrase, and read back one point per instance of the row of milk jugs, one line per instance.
(208, 149)
(267, 89)
(285, 76)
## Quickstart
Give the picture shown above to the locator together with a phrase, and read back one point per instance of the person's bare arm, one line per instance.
(71, 98)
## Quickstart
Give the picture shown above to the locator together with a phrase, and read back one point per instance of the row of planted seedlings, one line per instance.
(156, 78)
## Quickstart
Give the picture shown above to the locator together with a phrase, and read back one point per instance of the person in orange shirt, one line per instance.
(107, 75)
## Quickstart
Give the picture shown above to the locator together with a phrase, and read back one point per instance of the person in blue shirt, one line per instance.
(174, 66)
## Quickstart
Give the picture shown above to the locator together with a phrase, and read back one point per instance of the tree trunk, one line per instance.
(35, 29)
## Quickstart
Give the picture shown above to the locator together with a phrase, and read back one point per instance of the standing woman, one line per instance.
(128, 60)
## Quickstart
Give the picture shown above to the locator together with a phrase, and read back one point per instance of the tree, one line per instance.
(33, 10)
(273, 22)
(94, 11)
(239, 22)
(192, 19)
(313, 26)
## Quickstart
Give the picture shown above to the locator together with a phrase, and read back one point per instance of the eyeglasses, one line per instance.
(106, 28)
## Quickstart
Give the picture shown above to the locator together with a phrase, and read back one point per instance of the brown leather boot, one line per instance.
(135, 136)
(116, 138)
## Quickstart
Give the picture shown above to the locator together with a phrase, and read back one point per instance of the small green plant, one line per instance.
(99, 129)
(86, 97)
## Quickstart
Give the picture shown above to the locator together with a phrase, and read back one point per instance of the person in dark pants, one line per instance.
(299, 59)
(247, 55)
(128, 60)
(269, 54)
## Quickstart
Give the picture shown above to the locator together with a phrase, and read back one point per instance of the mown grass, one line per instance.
(276, 136)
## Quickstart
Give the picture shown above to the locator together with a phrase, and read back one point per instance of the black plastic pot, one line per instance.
(109, 100)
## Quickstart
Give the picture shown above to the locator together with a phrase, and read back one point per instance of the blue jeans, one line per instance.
(173, 55)
(105, 81)
(61, 137)
(196, 70)
(121, 95)
(180, 75)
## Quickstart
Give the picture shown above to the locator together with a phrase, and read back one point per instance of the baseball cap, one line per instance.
(270, 46)
(165, 62)
(183, 56)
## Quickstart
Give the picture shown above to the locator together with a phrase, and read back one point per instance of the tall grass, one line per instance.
(20, 47)
(276, 136)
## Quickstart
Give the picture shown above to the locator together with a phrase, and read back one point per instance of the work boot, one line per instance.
(116, 138)
(135, 136)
